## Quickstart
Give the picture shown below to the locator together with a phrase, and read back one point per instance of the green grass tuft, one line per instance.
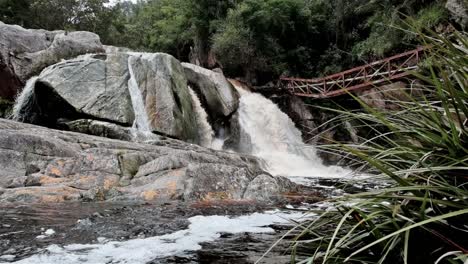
(422, 146)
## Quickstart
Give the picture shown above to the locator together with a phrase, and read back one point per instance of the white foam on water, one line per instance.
(23, 99)
(218, 143)
(272, 136)
(205, 132)
(49, 232)
(219, 140)
(201, 229)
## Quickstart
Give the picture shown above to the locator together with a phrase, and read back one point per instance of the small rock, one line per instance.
(97, 215)
(82, 223)
(49, 232)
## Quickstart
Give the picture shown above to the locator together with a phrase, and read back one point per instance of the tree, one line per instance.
(90, 15)
(163, 25)
(255, 39)
(274, 36)
(15, 12)
(206, 16)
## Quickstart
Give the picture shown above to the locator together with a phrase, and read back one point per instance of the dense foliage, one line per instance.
(421, 147)
(255, 39)
(90, 15)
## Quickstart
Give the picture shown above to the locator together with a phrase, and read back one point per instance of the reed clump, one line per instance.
(422, 147)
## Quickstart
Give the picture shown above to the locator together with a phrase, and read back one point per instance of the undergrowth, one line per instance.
(422, 146)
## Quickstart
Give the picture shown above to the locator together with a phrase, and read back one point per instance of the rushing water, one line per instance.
(265, 130)
(139, 251)
(271, 135)
(141, 117)
(205, 132)
(23, 99)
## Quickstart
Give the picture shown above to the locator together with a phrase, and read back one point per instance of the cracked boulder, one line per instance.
(109, 87)
(217, 94)
(25, 52)
(41, 165)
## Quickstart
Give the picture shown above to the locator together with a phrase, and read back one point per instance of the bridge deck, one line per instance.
(356, 79)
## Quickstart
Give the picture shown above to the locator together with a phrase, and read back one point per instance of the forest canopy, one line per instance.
(255, 39)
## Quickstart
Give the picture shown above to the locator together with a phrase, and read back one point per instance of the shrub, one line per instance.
(423, 149)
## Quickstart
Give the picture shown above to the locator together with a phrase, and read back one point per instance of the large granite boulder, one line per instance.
(44, 165)
(217, 94)
(167, 99)
(99, 87)
(24, 53)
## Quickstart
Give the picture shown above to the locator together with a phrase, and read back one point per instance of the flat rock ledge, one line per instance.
(41, 165)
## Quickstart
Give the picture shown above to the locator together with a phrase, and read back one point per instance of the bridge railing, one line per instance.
(355, 79)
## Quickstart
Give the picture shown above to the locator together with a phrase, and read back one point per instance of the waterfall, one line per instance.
(23, 100)
(205, 132)
(273, 137)
(141, 122)
(218, 142)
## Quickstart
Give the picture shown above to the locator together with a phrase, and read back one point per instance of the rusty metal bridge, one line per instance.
(356, 79)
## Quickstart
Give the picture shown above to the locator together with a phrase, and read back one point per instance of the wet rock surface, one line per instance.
(42, 165)
(23, 227)
(103, 87)
(218, 94)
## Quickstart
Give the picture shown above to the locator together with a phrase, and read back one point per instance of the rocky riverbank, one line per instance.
(124, 157)
(44, 165)
(243, 230)
(28, 231)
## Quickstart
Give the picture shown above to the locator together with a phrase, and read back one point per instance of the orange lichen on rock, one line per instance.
(47, 194)
(47, 180)
(172, 186)
(216, 196)
(55, 172)
(52, 199)
(85, 180)
(150, 195)
(177, 173)
(110, 183)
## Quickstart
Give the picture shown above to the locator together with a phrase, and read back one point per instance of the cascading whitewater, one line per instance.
(205, 132)
(23, 99)
(218, 142)
(271, 135)
(141, 122)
